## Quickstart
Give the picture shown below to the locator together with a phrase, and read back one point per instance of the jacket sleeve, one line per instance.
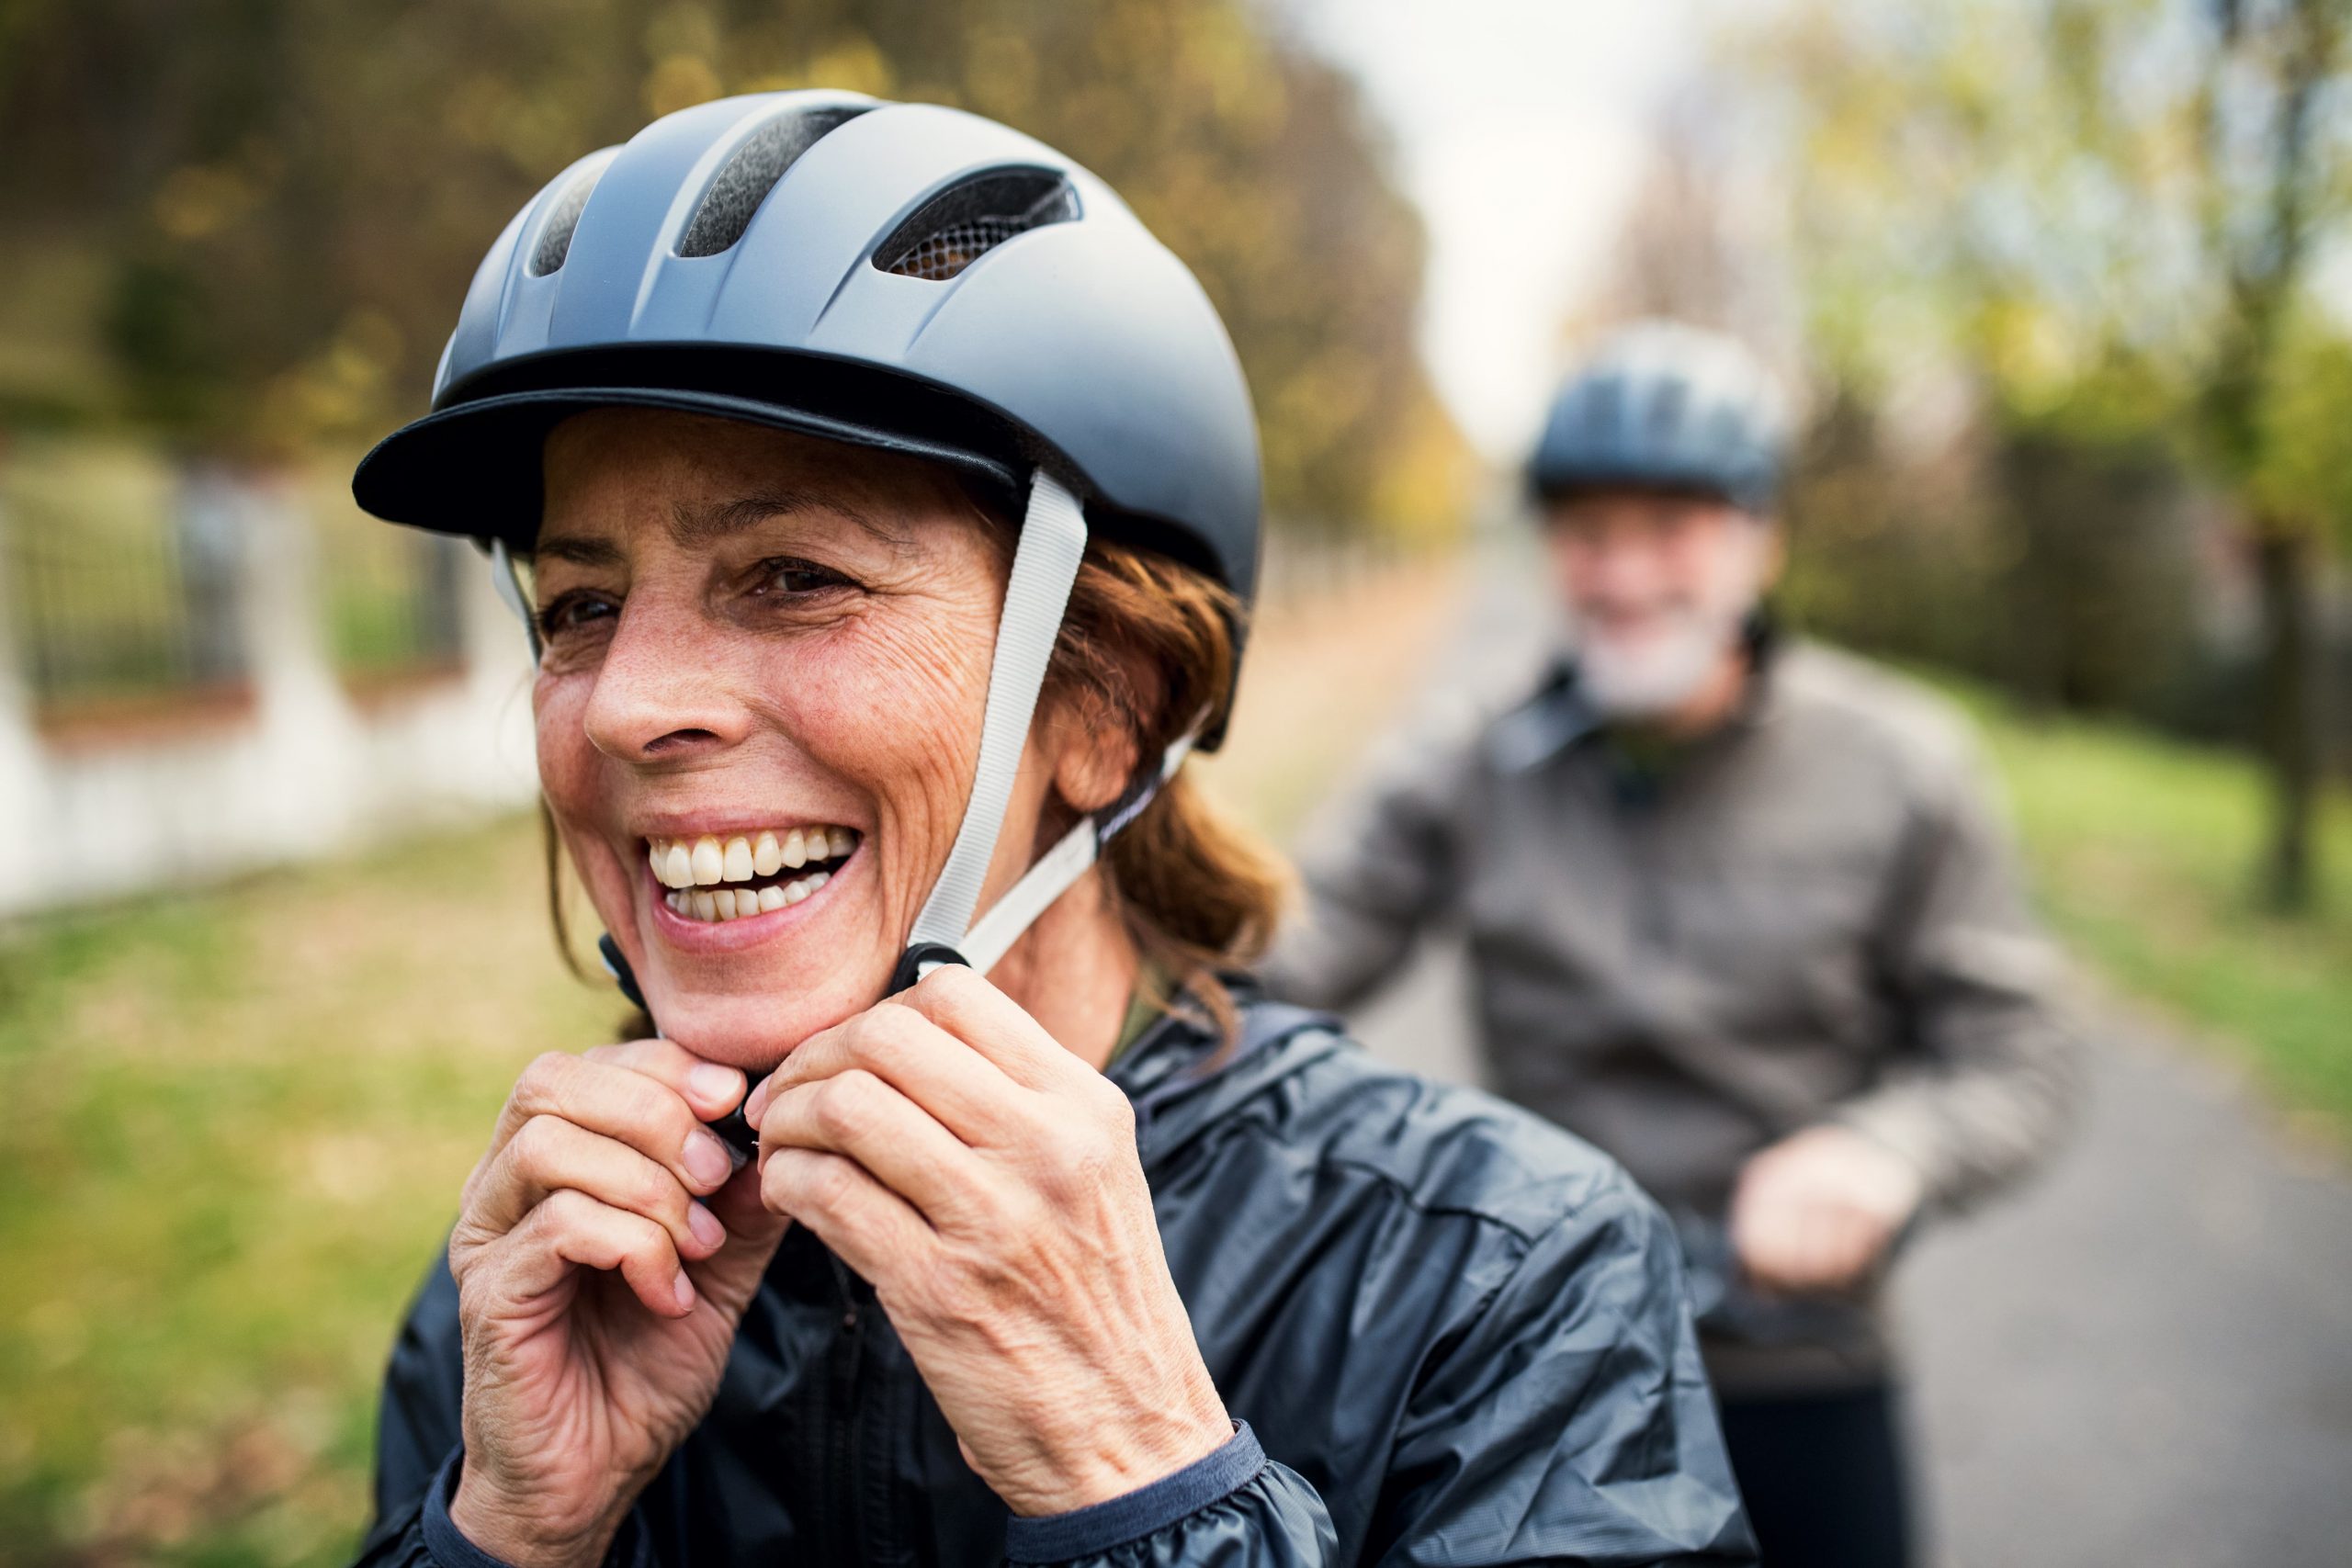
(1237, 1508)
(1571, 1421)
(417, 1429)
(1989, 1066)
(1377, 872)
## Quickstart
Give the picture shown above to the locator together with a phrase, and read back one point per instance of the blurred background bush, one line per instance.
(2066, 282)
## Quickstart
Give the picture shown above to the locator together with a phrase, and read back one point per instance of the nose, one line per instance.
(661, 694)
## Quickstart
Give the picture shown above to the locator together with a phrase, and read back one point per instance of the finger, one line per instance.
(968, 1007)
(896, 1140)
(713, 1088)
(1760, 1235)
(1819, 1249)
(571, 1230)
(551, 1155)
(622, 1104)
(959, 1087)
(866, 1224)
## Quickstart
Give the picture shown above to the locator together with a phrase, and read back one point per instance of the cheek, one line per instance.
(568, 772)
(895, 705)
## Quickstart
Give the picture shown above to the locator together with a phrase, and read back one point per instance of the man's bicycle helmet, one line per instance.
(1660, 405)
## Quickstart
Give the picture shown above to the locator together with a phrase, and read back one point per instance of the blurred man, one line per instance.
(1738, 911)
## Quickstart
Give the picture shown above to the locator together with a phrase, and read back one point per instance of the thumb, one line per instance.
(729, 1277)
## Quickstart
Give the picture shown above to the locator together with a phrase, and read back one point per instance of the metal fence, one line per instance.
(127, 574)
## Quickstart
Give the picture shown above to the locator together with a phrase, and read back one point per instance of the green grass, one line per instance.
(232, 1128)
(2143, 853)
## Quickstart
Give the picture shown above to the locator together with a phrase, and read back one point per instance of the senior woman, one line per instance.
(883, 501)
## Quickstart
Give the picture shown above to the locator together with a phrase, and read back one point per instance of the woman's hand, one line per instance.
(1816, 1211)
(985, 1181)
(598, 1294)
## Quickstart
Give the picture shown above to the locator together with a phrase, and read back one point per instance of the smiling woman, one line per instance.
(882, 501)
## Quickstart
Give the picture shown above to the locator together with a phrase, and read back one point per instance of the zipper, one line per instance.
(841, 1439)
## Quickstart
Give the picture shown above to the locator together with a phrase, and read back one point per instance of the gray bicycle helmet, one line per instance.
(1660, 405)
(896, 276)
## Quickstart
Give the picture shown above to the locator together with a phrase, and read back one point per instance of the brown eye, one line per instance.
(573, 612)
(787, 576)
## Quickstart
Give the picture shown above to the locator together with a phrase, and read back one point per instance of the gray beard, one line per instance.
(1657, 675)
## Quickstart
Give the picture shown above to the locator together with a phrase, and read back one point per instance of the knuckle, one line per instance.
(534, 1145)
(825, 1182)
(545, 1075)
(654, 1190)
(565, 1211)
(1111, 1106)
(875, 1034)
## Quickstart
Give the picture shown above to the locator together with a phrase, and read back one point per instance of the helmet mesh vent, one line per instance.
(555, 239)
(962, 223)
(736, 193)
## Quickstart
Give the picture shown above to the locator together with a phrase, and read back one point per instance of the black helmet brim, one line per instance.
(472, 468)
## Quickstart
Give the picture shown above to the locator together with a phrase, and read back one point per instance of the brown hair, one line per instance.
(1149, 646)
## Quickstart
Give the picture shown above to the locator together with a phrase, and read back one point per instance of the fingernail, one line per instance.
(706, 1227)
(756, 1103)
(686, 1289)
(705, 1159)
(715, 1084)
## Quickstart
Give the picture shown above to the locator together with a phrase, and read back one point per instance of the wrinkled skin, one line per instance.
(746, 629)
(1657, 586)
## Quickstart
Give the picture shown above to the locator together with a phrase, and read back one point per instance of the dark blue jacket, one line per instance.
(1451, 1334)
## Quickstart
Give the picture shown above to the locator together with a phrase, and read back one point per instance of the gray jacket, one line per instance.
(1811, 916)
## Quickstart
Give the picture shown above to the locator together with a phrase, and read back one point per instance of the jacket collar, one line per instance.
(1182, 1077)
(1559, 717)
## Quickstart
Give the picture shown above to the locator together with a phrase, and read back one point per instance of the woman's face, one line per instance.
(767, 661)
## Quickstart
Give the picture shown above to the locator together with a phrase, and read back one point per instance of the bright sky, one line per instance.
(1521, 128)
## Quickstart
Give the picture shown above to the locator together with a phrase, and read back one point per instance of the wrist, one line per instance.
(1114, 1462)
(518, 1536)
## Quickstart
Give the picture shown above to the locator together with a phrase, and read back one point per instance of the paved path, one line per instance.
(2145, 1358)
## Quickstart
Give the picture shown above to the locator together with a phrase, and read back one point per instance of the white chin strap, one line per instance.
(1045, 565)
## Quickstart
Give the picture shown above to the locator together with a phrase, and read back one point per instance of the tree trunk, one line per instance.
(2291, 744)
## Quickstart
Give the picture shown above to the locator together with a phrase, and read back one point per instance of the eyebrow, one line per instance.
(693, 527)
(579, 550)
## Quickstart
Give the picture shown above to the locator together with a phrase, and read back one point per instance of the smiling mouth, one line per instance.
(713, 879)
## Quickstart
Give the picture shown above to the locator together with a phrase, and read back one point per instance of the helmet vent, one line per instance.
(748, 176)
(555, 238)
(965, 221)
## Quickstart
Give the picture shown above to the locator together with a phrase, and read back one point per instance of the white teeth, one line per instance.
(687, 866)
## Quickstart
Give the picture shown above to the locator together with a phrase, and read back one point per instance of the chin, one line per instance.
(755, 1032)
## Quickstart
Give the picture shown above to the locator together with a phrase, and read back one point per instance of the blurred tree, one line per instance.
(2107, 212)
(256, 217)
